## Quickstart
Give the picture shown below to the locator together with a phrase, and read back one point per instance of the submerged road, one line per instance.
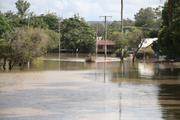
(87, 95)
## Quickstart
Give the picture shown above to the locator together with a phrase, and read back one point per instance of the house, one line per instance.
(101, 44)
(146, 47)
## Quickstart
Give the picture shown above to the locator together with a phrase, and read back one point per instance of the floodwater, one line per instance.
(67, 90)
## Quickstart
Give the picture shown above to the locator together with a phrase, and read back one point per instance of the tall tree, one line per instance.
(168, 42)
(145, 17)
(170, 10)
(149, 20)
(22, 7)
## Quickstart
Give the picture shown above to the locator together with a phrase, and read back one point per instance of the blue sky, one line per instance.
(89, 9)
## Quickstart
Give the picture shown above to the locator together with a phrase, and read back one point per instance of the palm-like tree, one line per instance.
(22, 7)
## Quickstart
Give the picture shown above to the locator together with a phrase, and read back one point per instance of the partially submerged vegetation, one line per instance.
(25, 36)
(22, 45)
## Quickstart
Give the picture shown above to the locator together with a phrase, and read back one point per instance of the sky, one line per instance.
(88, 9)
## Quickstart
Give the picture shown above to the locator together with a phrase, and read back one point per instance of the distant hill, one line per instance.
(126, 22)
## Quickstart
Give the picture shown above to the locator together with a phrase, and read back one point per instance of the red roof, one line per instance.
(105, 42)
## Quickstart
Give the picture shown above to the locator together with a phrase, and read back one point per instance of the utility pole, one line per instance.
(59, 42)
(97, 29)
(59, 39)
(105, 35)
(122, 16)
(122, 51)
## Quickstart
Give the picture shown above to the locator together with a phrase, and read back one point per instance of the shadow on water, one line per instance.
(169, 97)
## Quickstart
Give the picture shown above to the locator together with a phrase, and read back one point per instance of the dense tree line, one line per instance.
(25, 36)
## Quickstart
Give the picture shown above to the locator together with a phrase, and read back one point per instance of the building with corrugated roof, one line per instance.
(100, 46)
(146, 47)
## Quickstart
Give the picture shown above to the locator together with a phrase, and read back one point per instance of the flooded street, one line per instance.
(67, 90)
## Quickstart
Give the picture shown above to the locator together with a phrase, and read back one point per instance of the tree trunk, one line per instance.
(136, 51)
(134, 54)
(11, 64)
(4, 64)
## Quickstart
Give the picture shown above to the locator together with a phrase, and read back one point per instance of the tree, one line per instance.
(145, 17)
(4, 25)
(119, 38)
(135, 40)
(115, 26)
(52, 21)
(38, 22)
(120, 42)
(4, 48)
(134, 37)
(149, 18)
(23, 45)
(168, 42)
(19, 43)
(12, 19)
(171, 4)
(22, 7)
(53, 42)
(128, 22)
(76, 34)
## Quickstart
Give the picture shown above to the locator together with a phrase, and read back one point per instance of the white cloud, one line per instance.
(89, 9)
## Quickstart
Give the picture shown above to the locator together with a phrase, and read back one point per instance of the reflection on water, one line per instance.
(96, 91)
(169, 99)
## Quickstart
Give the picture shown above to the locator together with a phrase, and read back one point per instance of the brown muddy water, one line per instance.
(67, 90)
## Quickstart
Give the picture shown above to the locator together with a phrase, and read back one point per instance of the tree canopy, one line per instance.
(22, 7)
(145, 17)
(76, 34)
(149, 20)
(4, 25)
(52, 21)
(169, 35)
